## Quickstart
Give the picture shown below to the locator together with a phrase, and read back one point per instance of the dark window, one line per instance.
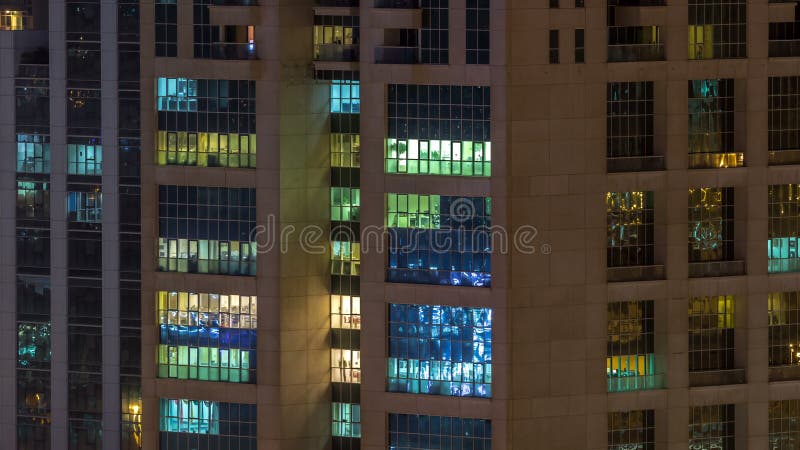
(478, 32)
(712, 426)
(717, 29)
(435, 28)
(83, 110)
(629, 119)
(166, 23)
(83, 61)
(710, 224)
(553, 46)
(784, 113)
(632, 429)
(33, 249)
(579, 45)
(631, 240)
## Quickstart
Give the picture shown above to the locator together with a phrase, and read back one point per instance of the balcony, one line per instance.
(635, 273)
(336, 3)
(634, 164)
(635, 383)
(336, 52)
(716, 269)
(717, 377)
(715, 160)
(784, 39)
(639, 43)
(783, 157)
(397, 55)
(233, 51)
(784, 373)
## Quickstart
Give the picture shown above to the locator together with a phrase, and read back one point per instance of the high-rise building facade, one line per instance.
(71, 375)
(392, 224)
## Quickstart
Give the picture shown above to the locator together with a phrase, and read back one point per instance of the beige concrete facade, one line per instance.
(549, 172)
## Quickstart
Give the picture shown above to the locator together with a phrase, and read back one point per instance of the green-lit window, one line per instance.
(84, 159)
(345, 150)
(438, 157)
(345, 204)
(346, 420)
(206, 149)
(413, 211)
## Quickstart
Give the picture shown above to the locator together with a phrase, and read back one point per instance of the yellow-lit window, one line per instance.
(345, 258)
(345, 366)
(12, 20)
(701, 41)
(206, 149)
(345, 312)
(345, 150)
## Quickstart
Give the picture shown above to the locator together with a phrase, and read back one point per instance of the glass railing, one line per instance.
(233, 50)
(635, 383)
(716, 160)
(337, 3)
(397, 55)
(336, 52)
(636, 52)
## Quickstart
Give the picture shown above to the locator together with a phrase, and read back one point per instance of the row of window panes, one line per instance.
(346, 312)
(182, 94)
(421, 211)
(412, 432)
(345, 366)
(458, 379)
(215, 310)
(345, 258)
(207, 417)
(83, 159)
(206, 363)
(207, 256)
(85, 207)
(437, 157)
(206, 149)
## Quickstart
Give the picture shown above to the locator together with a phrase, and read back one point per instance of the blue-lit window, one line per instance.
(33, 153)
(192, 424)
(346, 420)
(440, 350)
(438, 239)
(208, 337)
(86, 207)
(345, 97)
(84, 159)
(784, 227)
(412, 432)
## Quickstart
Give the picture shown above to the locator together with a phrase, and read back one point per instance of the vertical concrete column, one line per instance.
(58, 223)
(8, 335)
(110, 189)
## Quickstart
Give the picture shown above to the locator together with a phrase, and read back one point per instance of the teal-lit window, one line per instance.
(440, 350)
(209, 337)
(233, 425)
(84, 159)
(177, 94)
(33, 153)
(346, 420)
(33, 345)
(86, 207)
(33, 200)
(783, 205)
(438, 157)
(345, 97)
(630, 357)
(345, 204)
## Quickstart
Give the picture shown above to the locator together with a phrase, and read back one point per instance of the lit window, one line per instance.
(712, 427)
(86, 207)
(84, 159)
(33, 200)
(438, 157)
(784, 416)
(346, 312)
(440, 350)
(345, 366)
(630, 360)
(33, 345)
(411, 431)
(784, 328)
(631, 240)
(177, 94)
(717, 29)
(235, 421)
(632, 430)
(345, 258)
(710, 224)
(783, 205)
(711, 333)
(335, 38)
(13, 20)
(345, 204)
(345, 97)
(711, 117)
(345, 150)
(33, 153)
(346, 420)
(419, 224)
(207, 337)
(206, 149)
